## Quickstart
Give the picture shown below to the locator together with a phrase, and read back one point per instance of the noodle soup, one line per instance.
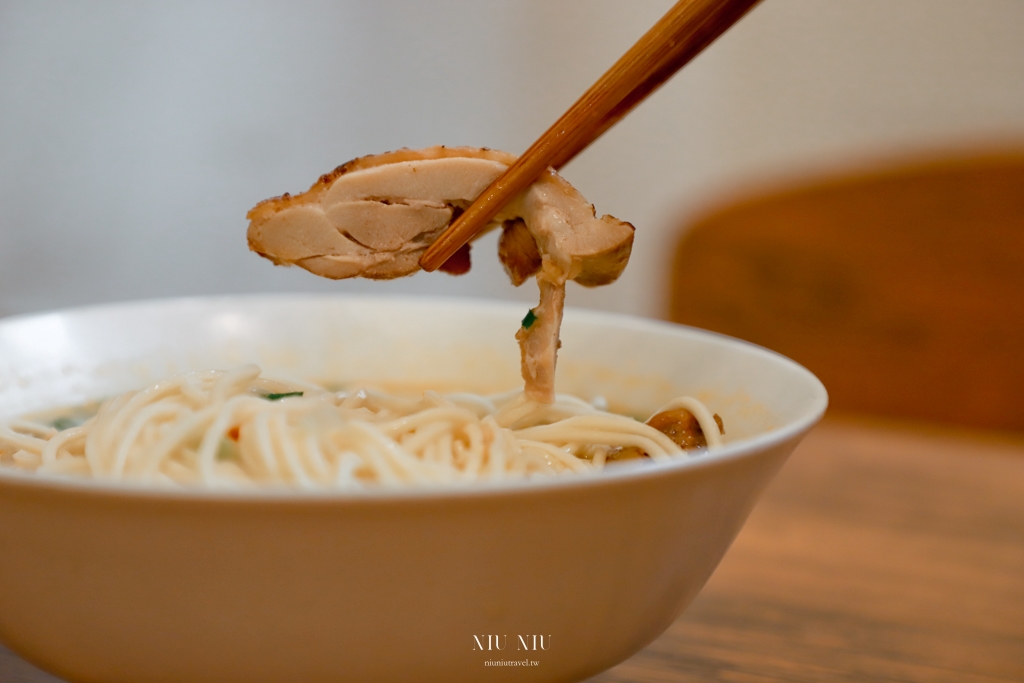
(124, 581)
(239, 428)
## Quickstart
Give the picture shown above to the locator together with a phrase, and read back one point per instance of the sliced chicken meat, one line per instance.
(375, 216)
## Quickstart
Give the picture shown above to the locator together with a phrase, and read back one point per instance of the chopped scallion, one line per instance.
(62, 423)
(529, 320)
(278, 397)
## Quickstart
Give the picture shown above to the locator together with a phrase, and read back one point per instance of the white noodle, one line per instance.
(232, 428)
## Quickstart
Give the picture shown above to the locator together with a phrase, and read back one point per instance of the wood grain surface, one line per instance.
(901, 287)
(879, 554)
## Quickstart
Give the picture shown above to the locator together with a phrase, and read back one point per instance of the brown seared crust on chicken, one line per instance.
(517, 251)
(268, 207)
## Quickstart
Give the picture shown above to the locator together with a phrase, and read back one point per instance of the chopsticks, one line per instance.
(686, 29)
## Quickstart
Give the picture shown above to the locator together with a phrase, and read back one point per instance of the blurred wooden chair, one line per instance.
(901, 287)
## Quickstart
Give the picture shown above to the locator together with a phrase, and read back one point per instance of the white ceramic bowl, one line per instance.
(121, 584)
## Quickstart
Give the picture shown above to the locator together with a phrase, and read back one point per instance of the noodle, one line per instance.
(237, 429)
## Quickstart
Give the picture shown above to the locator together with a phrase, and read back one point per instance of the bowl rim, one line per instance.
(290, 495)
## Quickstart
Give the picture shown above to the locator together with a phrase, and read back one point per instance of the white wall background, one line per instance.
(135, 136)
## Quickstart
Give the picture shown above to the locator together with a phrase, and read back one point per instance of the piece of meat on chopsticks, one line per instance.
(375, 216)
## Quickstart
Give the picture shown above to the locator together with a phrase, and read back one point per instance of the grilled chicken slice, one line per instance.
(375, 216)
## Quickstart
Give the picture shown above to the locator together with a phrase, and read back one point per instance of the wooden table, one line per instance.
(881, 553)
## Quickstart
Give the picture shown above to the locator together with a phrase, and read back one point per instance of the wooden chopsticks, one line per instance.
(685, 30)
